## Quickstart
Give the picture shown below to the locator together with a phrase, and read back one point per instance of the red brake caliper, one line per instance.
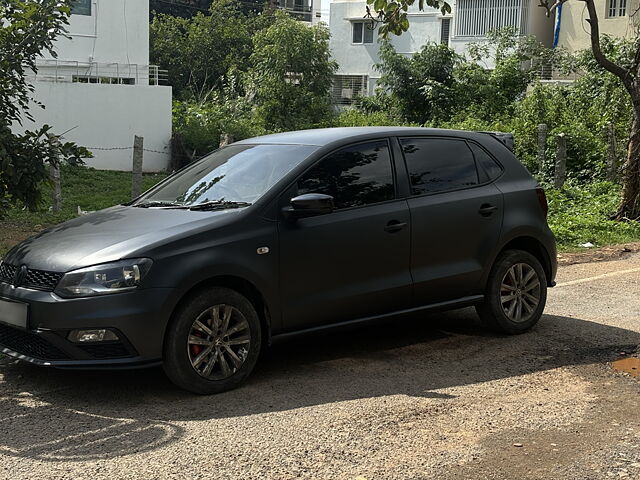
(196, 349)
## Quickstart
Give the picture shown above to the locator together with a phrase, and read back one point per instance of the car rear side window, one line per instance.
(439, 164)
(486, 162)
(354, 176)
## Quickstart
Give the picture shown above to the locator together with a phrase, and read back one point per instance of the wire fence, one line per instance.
(128, 148)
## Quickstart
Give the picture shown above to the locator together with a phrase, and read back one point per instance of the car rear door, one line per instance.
(456, 217)
(354, 262)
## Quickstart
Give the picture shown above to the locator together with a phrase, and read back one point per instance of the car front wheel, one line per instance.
(213, 342)
(516, 293)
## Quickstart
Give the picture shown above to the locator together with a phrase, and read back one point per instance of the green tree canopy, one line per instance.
(27, 28)
(199, 51)
(291, 74)
(437, 85)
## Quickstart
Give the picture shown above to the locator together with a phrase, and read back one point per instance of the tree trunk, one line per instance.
(630, 203)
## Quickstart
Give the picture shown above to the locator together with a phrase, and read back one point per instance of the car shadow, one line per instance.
(56, 415)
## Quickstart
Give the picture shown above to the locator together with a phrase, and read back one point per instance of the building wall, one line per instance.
(541, 26)
(116, 32)
(107, 117)
(357, 59)
(573, 36)
(535, 23)
(360, 59)
(110, 45)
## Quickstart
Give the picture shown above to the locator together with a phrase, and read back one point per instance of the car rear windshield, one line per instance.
(232, 174)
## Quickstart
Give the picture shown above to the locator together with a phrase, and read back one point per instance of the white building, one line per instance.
(304, 10)
(473, 19)
(354, 43)
(100, 89)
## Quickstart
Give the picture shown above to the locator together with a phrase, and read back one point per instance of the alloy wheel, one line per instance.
(520, 292)
(219, 342)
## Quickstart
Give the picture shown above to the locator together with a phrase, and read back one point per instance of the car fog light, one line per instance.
(91, 336)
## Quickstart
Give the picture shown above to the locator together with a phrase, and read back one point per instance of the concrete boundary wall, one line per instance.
(107, 117)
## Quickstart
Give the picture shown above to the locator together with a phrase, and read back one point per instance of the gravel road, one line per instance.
(413, 398)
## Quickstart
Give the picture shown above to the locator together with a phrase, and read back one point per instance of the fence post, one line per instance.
(138, 151)
(54, 173)
(542, 146)
(226, 139)
(612, 161)
(561, 161)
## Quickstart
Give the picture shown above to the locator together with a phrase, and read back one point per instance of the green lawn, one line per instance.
(86, 188)
(577, 214)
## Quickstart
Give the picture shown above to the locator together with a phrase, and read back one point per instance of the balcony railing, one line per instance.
(549, 73)
(69, 71)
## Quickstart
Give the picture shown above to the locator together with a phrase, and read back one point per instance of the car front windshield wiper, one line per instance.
(218, 205)
(160, 204)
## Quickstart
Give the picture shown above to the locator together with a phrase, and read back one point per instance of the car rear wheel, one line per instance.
(213, 342)
(516, 293)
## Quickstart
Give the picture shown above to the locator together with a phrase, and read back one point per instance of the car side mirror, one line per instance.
(308, 205)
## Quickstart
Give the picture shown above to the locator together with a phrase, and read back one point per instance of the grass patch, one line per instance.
(82, 187)
(581, 214)
(577, 213)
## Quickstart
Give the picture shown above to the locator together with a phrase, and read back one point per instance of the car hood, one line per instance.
(110, 235)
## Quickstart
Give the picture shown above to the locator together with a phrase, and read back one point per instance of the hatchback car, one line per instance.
(278, 235)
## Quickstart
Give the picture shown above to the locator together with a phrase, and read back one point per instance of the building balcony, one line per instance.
(69, 71)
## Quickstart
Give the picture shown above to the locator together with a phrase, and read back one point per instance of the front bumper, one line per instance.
(139, 319)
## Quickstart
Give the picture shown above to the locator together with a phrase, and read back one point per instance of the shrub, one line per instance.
(582, 213)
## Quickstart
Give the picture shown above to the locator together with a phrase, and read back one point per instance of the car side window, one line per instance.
(486, 162)
(354, 176)
(439, 164)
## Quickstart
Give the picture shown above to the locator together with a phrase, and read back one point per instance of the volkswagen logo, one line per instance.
(20, 276)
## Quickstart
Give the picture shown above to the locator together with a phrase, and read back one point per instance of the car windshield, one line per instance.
(236, 175)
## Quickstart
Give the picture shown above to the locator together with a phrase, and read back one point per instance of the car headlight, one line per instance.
(104, 279)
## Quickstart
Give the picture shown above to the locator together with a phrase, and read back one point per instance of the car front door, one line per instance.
(456, 217)
(355, 261)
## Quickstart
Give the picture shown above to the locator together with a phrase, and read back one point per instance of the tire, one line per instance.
(198, 356)
(510, 285)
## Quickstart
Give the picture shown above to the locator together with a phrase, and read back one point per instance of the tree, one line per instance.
(291, 74)
(422, 86)
(436, 85)
(189, 8)
(27, 28)
(199, 51)
(179, 8)
(393, 15)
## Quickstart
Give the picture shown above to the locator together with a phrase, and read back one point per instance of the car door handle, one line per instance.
(395, 226)
(487, 209)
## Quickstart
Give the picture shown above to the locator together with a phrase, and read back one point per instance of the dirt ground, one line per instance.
(611, 252)
(421, 397)
(13, 233)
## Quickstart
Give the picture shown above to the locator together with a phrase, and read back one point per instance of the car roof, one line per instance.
(326, 136)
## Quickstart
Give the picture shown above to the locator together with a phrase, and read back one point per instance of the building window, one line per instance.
(445, 31)
(362, 32)
(81, 7)
(476, 18)
(103, 80)
(617, 8)
(300, 9)
(347, 88)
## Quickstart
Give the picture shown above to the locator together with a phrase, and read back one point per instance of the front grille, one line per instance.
(106, 350)
(41, 280)
(36, 279)
(7, 272)
(29, 344)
